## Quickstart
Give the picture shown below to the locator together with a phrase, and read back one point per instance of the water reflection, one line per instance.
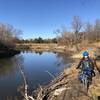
(31, 51)
(9, 65)
(64, 59)
(39, 52)
(9, 76)
(34, 64)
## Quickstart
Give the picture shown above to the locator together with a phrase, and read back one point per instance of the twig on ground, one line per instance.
(50, 74)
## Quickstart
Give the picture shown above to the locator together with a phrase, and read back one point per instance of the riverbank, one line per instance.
(8, 53)
(67, 87)
(55, 47)
(43, 47)
(51, 47)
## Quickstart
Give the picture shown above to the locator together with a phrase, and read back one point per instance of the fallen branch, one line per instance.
(26, 96)
(50, 74)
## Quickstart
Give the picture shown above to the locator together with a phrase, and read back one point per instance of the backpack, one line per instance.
(87, 64)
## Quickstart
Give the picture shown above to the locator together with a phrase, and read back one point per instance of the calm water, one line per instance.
(34, 65)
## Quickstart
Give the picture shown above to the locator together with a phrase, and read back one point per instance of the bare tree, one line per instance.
(92, 32)
(80, 34)
(68, 38)
(97, 29)
(8, 34)
(77, 26)
(89, 32)
(63, 36)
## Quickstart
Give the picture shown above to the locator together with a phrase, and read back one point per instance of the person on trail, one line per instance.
(87, 64)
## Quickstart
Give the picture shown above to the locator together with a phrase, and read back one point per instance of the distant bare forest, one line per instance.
(8, 36)
(80, 32)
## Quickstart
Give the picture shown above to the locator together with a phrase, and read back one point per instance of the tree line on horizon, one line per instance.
(81, 32)
(38, 40)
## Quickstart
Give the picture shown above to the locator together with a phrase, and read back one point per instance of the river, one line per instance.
(35, 65)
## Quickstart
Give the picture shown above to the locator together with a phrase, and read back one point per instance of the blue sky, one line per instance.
(42, 17)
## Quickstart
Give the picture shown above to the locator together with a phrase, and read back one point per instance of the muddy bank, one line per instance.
(7, 50)
(8, 53)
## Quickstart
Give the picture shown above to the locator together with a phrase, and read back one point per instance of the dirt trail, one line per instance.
(74, 90)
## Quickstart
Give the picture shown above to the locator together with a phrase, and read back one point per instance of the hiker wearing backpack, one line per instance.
(87, 65)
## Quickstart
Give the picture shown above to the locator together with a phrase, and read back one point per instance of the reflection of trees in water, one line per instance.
(32, 51)
(26, 51)
(64, 58)
(9, 65)
(39, 52)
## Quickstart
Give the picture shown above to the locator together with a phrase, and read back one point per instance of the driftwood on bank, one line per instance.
(56, 87)
(63, 87)
(25, 91)
(67, 87)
